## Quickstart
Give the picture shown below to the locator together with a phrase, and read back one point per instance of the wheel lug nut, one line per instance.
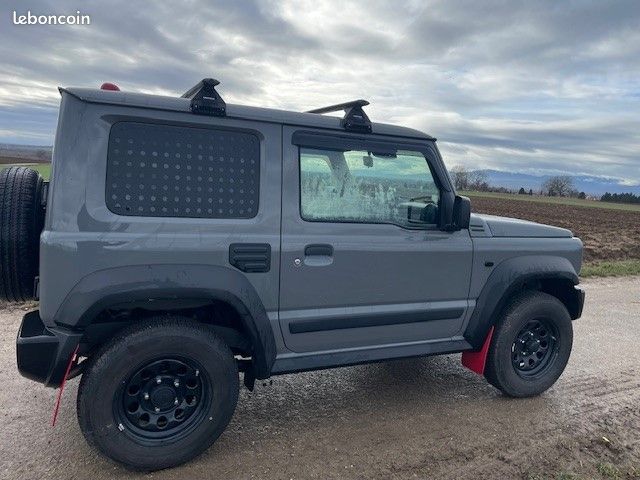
(156, 409)
(175, 402)
(158, 380)
(176, 383)
(146, 396)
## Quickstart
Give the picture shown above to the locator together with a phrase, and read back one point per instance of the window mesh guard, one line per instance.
(170, 171)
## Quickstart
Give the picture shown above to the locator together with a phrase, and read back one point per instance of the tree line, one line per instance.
(557, 186)
(476, 180)
(464, 179)
(620, 198)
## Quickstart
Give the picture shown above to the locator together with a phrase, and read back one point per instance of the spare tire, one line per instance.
(21, 221)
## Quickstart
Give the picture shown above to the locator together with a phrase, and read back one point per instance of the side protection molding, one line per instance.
(513, 275)
(144, 284)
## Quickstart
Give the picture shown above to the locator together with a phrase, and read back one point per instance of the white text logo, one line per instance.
(31, 19)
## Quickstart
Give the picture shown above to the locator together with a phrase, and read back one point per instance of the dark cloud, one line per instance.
(540, 86)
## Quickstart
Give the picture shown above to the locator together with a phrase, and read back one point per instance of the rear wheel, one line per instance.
(21, 221)
(531, 345)
(159, 394)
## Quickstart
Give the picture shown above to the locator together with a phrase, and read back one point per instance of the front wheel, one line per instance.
(531, 345)
(158, 394)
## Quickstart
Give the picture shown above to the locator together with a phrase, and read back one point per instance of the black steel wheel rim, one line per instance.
(165, 398)
(534, 348)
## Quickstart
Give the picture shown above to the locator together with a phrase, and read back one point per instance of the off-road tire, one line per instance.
(21, 222)
(522, 309)
(134, 347)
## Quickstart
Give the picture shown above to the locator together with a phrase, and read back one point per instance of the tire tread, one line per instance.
(21, 221)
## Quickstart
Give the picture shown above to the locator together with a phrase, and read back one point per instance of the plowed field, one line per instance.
(608, 234)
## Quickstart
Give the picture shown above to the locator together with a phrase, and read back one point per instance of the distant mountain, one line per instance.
(583, 183)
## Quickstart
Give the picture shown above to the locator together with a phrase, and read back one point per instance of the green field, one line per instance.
(43, 168)
(558, 200)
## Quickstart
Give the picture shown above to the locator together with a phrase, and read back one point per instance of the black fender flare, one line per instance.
(146, 283)
(509, 277)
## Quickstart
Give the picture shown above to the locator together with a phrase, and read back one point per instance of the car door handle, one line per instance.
(318, 250)
(318, 255)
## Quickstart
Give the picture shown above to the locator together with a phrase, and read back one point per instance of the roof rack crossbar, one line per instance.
(340, 106)
(354, 119)
(205, 100)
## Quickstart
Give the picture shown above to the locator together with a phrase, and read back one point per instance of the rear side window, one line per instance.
(169, 171)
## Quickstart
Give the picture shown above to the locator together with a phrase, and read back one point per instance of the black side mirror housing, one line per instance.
(461, 214)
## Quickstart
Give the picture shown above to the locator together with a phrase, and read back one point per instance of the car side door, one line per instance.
(363, 260)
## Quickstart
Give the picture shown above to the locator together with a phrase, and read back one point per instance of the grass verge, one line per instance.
(611, 269)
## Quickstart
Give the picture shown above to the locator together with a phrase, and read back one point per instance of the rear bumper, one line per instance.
(43, 353)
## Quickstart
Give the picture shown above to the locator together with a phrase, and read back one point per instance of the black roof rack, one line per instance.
(354, 119)
(205, 100)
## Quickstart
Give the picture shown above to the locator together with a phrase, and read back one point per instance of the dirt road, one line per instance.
(425, 418)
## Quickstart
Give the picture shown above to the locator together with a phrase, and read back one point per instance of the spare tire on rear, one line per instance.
(21, 222)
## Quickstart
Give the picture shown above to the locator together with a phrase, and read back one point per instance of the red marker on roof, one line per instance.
(109, 86)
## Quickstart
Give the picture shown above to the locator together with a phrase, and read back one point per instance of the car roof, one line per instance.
(285, 117)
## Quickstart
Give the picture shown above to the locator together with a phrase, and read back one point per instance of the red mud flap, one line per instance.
(477, 360)
(72, 360)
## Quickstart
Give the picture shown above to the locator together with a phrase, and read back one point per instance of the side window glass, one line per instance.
(367, 187)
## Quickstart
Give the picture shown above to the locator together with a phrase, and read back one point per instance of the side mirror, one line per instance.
(461, 213)
(425, 214)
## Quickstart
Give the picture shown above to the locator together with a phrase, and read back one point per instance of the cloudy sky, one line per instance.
(532, 87)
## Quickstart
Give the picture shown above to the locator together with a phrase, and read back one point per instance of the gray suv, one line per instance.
(183, 240)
